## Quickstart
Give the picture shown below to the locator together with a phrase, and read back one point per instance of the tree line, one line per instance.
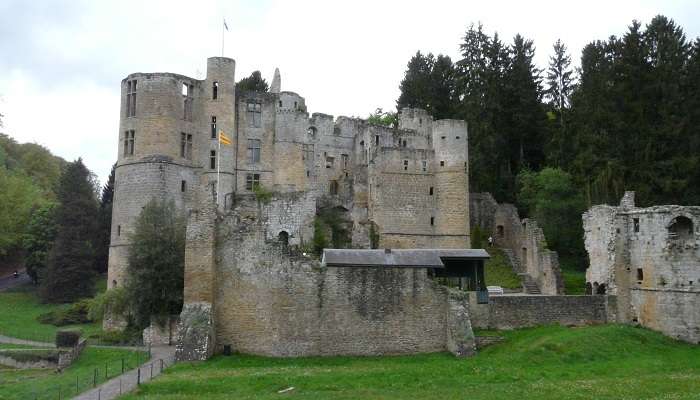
(558, 140)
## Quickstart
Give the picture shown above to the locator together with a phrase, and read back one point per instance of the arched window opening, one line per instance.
(312, 131)
(283, 238)
(681, 228)
(333, 188)
(600, 289)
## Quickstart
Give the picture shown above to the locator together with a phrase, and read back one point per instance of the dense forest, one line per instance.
(557, 140)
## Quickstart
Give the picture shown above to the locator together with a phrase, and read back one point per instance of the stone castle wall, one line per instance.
(513, 312)
(524, 238)
(649, 257)
(273, 302)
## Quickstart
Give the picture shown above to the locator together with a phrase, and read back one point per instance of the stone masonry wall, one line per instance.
(649, 257)
(273, 301)
(523, 237)
(512, 312)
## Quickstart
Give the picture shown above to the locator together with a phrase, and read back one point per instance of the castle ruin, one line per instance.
(649, 259)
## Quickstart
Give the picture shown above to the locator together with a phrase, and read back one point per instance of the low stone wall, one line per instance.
(512, 312)
(68, 357)
(158, 334)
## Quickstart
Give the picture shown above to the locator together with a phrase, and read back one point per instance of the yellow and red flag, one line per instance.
(223, 139)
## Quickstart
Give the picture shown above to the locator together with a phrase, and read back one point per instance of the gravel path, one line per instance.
(128, 381)
(11, 340)
(10, 281)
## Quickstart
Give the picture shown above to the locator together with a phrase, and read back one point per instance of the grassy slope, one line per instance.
(499, 272)
(25, 384)
(601, 362)
(19, 309)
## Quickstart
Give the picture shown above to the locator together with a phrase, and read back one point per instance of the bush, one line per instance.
(32, 355)
(76, 313)
(67, 338)
(114, 301)
(129, 336)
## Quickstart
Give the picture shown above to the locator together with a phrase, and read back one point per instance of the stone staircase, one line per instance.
(529, 284)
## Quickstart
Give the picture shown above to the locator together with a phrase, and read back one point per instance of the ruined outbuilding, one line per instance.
(650, 259)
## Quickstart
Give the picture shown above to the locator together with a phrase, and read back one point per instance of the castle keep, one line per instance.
(248, 282)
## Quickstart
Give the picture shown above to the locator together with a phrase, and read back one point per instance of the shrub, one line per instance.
(129, 336)
(31, 355)
(67, 338)
(76, 313)
(114, 301)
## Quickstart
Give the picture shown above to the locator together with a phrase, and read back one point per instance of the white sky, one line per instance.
(61, 62)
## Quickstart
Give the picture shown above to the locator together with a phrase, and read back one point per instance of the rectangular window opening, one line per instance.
(330, 161)
(405, 165)
(131, 98)
(424, 165)
(213, 127)
(431, 190)
(636, 224)
(215, 90)
(119, 230)
(253, 151)
(442, 163)
(212, 159)
(254, 114)
(640, 274)
(432, 221)
(183, 186)
(129, 142)
(252, 181)
(376, 140)
(345, 161)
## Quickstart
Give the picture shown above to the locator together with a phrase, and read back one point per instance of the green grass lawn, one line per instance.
(598, 362)
(19, 309)
(45, 384)
(499, 272)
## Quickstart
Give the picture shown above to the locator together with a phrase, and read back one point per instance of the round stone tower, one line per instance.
(167, 132)
(451, 184)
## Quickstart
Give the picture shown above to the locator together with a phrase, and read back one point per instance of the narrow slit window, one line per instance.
(183, 186)
(212, 159)
(636, 224)
(424, 165)
(431, 191)
(376, 140)
(215, 90)
(442, 163)
(345, 161)
(213, 127)
(640, 274)
(129, 137)
(131, 98)
(432, 221)
(119, 230)
(405, 165)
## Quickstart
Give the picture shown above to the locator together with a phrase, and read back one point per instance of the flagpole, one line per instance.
(218, 168)
(223, 37)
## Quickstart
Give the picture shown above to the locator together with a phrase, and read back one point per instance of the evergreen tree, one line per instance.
(558, 92)
(415, 86)
(523, 108)
(105, 223)
(253, 83)
(38, 240)
(156, 263)
(70, 269)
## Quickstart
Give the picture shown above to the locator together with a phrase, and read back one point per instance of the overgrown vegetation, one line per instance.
(252, 83)
(156, 263)
(499, 272)
(330, 222)
(384, 118)
(553, 362)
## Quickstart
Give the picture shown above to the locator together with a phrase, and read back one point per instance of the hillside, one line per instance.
(601, 362)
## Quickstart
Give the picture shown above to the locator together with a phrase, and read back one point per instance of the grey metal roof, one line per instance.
(410, 258)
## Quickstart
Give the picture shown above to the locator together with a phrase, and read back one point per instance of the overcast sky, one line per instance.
(61, 62)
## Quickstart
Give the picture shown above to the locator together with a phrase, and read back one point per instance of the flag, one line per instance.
(223, 139)
(225, 26)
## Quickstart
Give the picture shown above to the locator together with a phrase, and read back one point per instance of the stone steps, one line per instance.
(529, 285)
